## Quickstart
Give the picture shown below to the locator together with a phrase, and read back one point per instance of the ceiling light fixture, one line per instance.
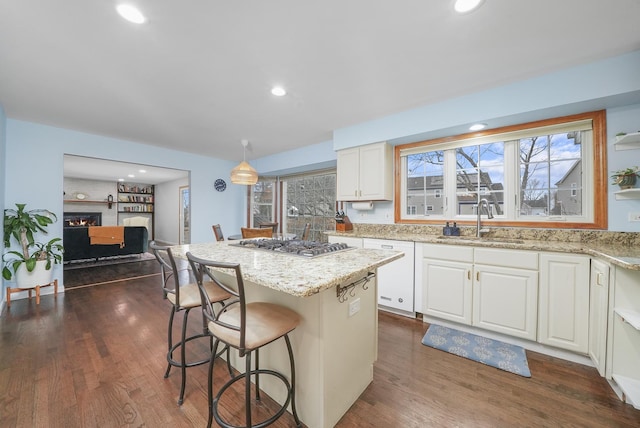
(477, 126)
(464, 6)
(244, 173)
(131, 13)
(278, 91)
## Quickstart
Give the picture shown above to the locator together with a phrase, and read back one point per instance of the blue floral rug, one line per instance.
(510, 358)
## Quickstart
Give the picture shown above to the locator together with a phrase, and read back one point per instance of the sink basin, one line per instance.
(481, 239)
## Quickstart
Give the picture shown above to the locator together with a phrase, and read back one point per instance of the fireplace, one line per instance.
(82, 219)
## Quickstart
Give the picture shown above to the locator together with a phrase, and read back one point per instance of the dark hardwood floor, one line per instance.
(95, 357)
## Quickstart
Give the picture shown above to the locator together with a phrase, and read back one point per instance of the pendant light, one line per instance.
(244, 173)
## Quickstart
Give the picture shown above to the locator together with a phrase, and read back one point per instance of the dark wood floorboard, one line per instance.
(95, 357)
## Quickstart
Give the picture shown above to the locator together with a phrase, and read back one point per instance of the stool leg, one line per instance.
(210, 383)
(183, 364)
(293, 382)
(247, 388)
(257, 374)
(170, 341)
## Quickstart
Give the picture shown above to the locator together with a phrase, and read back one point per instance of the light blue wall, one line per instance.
(308, 158)
(3, 146)
(609, 83)
(34, 173)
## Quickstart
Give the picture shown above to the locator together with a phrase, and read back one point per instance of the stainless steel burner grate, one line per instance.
(294, 246)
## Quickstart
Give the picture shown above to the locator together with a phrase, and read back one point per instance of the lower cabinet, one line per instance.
(491, 288)
(598, 309)
(506, 300)
(563, 318)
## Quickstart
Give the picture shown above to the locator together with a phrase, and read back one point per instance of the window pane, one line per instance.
(425, 183)
(480, 175)
(263, 196)
(551, 175)
(310, 199)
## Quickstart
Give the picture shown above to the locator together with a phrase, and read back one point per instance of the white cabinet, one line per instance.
(395, 280)
(445, 282)
(563, 318)
(598, 307)
(490, 288)
(625, 333)
(505, 291)
(365, 173)
(505, 300)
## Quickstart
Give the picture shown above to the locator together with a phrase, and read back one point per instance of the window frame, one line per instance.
(596, 161)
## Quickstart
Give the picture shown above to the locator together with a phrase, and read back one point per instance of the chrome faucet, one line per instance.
(483, 206)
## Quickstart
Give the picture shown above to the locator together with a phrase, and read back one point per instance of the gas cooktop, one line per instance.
(293, 246)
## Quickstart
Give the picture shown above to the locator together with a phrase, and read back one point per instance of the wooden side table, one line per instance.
(36, 288)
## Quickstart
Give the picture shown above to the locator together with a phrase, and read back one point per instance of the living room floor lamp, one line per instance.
(244, 173)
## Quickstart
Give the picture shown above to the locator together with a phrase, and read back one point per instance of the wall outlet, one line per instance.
(634, 216)
(354, 307)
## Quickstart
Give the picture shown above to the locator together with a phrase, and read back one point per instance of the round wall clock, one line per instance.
(220, 185)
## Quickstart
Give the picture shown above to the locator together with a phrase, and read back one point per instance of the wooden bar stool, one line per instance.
(184, 298)
(246, 327)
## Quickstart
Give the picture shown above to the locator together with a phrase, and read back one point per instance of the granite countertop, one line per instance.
(618, 253)
(296, 275)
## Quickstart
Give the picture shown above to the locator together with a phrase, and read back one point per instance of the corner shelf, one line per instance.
(628, 194)
(630, 389)
(630, 317)
(628, 142)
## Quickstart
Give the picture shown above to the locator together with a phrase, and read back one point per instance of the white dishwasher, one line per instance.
(395, 280)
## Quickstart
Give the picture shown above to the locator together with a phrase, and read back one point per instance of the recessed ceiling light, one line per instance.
(278, 91)
(464, 6)
(120, 179)
(131, 13)
(142, 171)
(131, 176)
(477, 126)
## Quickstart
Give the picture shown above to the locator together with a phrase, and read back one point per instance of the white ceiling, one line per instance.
(196, 76)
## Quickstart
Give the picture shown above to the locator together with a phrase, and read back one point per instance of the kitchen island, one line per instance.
(335, 344)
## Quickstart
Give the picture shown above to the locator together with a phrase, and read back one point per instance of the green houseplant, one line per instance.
(35, 256)
(625, 178)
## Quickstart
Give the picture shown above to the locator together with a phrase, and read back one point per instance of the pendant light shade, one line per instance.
(244, 173)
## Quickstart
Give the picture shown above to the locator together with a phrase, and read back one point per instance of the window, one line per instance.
(547, 174)
(307, 198)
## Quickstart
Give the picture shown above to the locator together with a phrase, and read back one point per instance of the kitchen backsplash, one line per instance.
(572, 235)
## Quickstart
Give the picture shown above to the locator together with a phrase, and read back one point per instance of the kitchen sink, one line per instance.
(481, 239)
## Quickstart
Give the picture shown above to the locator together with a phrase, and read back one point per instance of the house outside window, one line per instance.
(544, 172)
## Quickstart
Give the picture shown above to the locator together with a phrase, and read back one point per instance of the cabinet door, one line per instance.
(564, 301)
(347, 174)
(395, 280)
(446, 290)
(598, 305)
(505, 300)
(375, 179)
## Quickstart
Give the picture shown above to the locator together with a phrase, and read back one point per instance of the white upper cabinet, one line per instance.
(365, 173)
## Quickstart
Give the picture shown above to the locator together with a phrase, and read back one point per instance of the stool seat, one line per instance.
(266, 322)
(190, 295)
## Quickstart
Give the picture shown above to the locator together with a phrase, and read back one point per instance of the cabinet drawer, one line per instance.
(447, 252)
(506, 258)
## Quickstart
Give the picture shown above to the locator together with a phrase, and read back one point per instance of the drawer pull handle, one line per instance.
(387, 247)
(385, 298)
(477, 276)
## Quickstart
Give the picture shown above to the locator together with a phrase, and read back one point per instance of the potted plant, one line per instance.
(33, 265)
(625, 178)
